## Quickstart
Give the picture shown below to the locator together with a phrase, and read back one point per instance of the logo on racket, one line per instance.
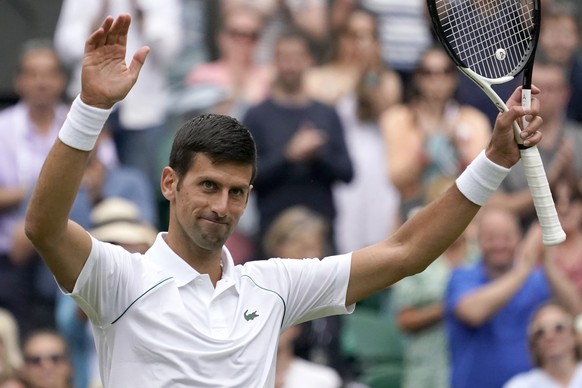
(500, 54)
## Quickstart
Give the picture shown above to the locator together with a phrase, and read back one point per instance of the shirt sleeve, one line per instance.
(310, 288)
(110, 281)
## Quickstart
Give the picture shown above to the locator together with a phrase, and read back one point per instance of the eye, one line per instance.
(208, 185)
(237, 192)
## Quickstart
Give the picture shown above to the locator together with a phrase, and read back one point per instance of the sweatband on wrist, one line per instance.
(83, 125)
(480, 179)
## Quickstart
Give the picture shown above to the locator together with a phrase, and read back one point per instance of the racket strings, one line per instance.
(490, 37)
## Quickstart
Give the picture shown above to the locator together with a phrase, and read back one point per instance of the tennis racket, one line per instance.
(491, 42)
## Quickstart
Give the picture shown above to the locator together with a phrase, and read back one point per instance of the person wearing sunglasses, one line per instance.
(555, 351)
(46, 360)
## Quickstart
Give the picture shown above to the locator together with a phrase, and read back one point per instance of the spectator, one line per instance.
(235, 73)
(361, 88)
(404, 30)
(137, 126)
(309, 17)
(555, 351)
(27, 131)
(418, 303)
(432, 135)
(356, 68)
(300, 142)
(560, 43)
(557, 150)
(46, 360)
(488, 305)
(299, 233)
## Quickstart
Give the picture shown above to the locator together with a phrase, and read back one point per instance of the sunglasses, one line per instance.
(431, 72)
(36, 360)
(557, 328)
(240, 34)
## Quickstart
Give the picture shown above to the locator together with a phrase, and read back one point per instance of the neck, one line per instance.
(290, 98)
(203, 261)
(561, 368)
(42, 116)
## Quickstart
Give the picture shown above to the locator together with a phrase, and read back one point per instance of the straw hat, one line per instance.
(117, 220)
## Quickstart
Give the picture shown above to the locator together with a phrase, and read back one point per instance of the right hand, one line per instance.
(105, 78)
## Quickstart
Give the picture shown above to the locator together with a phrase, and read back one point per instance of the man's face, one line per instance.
(40, 81)
(498, 239)
(208, 201)
(292, 59)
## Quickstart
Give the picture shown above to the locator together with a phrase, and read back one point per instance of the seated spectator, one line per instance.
(555, 351)
(299, 233)
(46, 360)
(239, 79)
(488, 304)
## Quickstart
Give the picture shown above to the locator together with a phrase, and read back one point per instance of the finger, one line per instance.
(515, 98)
(122, 37)
(138, 60)
(114, 31)
(106, 26)
(97, 38)
(507, 118)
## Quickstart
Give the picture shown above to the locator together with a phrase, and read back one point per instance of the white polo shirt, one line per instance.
(159, 323)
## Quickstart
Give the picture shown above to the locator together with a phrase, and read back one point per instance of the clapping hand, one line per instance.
(105, 77)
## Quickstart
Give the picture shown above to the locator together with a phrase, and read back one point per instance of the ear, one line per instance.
(169, 183)
(251, 189)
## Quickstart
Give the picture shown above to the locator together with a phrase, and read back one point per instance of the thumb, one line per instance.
(138, 60)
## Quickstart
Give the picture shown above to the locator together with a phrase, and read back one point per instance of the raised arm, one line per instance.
(106, 79)
(426, 235)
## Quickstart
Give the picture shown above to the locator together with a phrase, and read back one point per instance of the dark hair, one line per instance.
(221, 138)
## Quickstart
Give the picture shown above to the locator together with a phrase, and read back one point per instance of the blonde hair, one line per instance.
(290, 223)
(9, 337)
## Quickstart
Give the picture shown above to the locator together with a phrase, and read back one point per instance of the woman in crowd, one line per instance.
(555, 351)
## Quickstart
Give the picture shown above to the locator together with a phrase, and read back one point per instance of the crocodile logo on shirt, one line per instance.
(251, 316)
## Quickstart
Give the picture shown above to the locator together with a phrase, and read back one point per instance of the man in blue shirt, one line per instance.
(488, 305)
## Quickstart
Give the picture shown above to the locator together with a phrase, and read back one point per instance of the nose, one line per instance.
(219, 203)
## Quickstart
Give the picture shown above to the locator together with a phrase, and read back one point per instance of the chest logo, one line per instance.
(251, 316)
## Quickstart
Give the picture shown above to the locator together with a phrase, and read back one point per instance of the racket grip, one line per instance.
(552, 232)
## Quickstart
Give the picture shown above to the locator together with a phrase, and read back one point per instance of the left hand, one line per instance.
(502, 148)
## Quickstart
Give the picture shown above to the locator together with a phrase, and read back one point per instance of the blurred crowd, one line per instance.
(360, 119)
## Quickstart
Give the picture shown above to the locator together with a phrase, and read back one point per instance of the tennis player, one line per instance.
(183, 315)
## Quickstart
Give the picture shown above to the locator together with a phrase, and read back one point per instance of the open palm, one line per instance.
(105, 76)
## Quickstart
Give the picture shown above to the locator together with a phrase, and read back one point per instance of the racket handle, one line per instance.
(552, 232)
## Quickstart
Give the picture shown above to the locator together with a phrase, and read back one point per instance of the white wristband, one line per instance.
(480, 179)
(83, 125)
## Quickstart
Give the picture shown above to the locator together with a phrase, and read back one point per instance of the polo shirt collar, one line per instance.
(165, 258)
